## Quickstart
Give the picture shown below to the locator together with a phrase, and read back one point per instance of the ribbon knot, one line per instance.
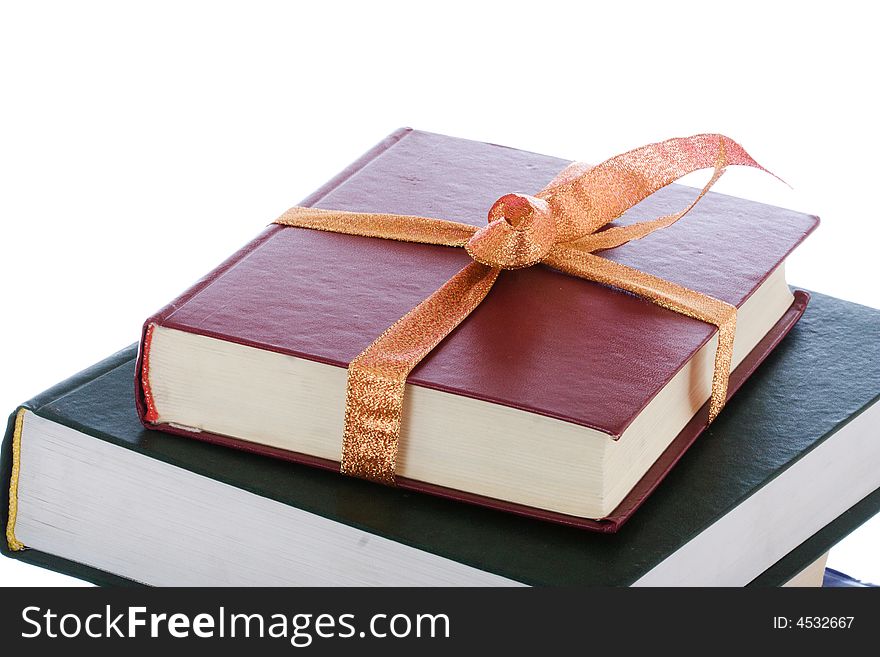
(562, 226)
(521, 232)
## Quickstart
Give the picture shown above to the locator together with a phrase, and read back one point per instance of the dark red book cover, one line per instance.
(595, 356)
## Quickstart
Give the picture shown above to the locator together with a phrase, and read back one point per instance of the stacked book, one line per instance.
(538, 438)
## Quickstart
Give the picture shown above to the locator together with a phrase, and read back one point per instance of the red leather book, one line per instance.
(544, 359)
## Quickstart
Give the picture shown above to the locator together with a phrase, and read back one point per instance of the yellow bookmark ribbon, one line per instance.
(558, 227)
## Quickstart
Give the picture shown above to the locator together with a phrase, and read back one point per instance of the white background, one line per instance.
(141, 144)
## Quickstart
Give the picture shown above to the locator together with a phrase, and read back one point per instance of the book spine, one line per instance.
(143, 397)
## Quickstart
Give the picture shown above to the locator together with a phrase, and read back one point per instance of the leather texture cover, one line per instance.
(560, 346)
(828, 367)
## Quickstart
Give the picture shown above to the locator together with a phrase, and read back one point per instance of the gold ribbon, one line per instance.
(558, 227)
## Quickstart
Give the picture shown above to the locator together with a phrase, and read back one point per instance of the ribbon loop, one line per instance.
(584, 199)
(619, 235)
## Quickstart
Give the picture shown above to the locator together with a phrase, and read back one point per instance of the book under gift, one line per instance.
(557, 397)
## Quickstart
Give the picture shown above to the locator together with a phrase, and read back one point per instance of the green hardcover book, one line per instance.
(787, 470)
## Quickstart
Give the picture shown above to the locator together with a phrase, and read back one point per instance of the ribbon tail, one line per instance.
(666, 294)
(400, 227)
(377, 377)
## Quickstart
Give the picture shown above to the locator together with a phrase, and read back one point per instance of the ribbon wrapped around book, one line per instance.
(562, 226)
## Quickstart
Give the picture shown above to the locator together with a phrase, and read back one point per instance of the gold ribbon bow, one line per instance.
(558, 227)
